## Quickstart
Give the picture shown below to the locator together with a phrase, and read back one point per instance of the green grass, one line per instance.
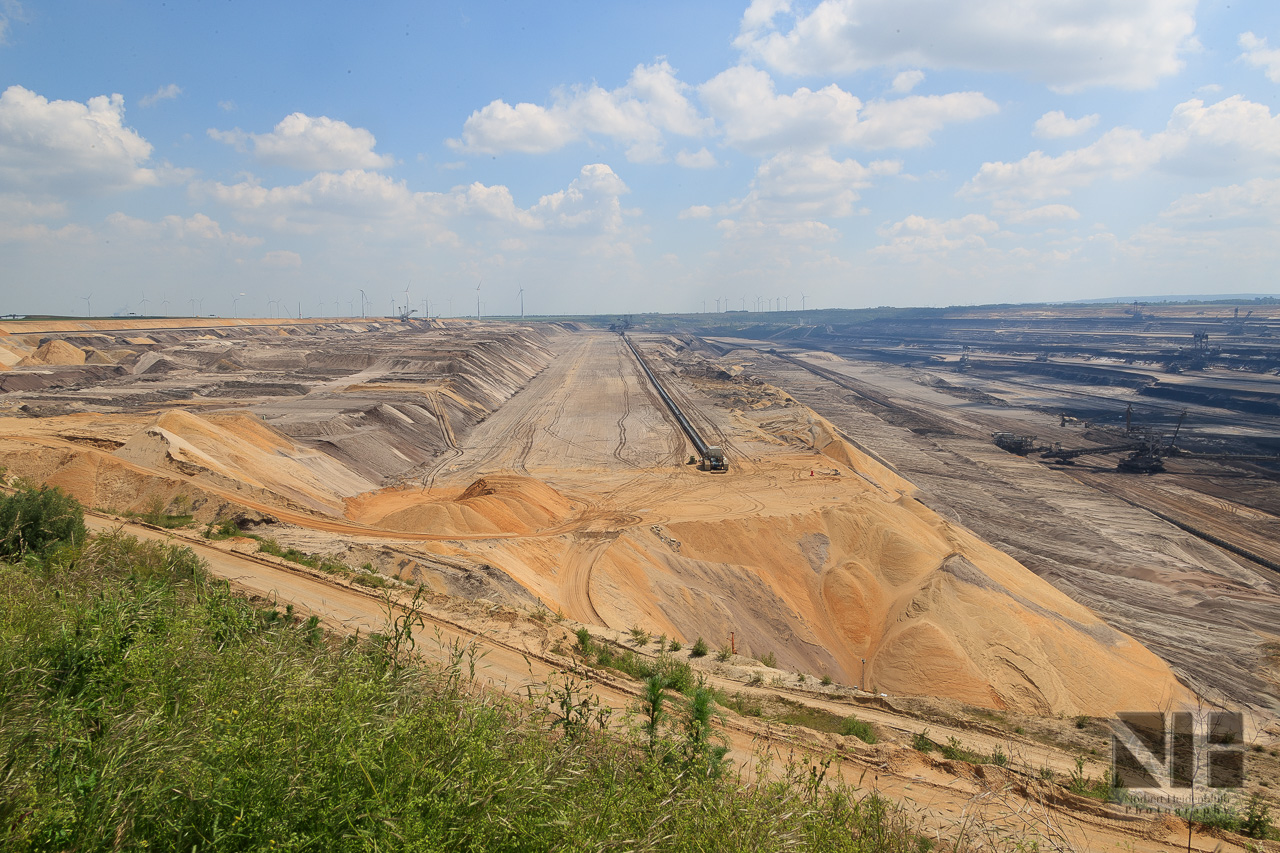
(143, 705)
(323, 562)
(168, 522)
(858, 728)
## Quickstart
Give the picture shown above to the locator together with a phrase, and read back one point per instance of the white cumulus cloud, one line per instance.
(591, 199)
(10, 10)
(69, 148)
(918, 235)
(755, 118)
(910, 122)
(905, 81)
(700, 159)
(1042, 214)
(1056, 125)
(697, 211)
(281, 259)
(1259, 55)
(314, 144)
(652, 103)
(1067, 45)
(164, 93)
(370, 203)
(1229, 137)
(795, 186)
(177, 229)
(1253, 202)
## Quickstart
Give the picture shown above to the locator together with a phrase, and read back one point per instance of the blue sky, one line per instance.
(268, 158)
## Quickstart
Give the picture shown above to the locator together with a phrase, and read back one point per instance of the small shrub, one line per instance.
(698, 649)
(756, 678)
(921, 742)
(33, 521)
(639, 636)
(1082, 721)
(1256, 822)
(584, 641)
(675, 646)
(800, 677)
(857, 728)
(723, 654)
(769, 660)
(826, 680)
(662, 643)
(224, 529)
(953, 750)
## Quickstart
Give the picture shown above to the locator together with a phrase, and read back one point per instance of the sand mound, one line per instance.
(11, 353)
(239, 448)
(802, 426)
(497, 503)
(933, 610)
(55, 352)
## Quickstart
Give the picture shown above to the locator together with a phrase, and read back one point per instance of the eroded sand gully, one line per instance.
(536, 464)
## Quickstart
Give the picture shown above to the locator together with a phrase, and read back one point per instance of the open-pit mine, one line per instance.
(864, 535)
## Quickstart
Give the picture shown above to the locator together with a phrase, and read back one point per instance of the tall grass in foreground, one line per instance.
(142, 705)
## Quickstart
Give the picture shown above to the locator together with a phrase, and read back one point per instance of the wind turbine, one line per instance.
(362, 301)
(478, 299)
(522, 303)
(144, 301)
(192, 300)
(88, 305)
(802, 299)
